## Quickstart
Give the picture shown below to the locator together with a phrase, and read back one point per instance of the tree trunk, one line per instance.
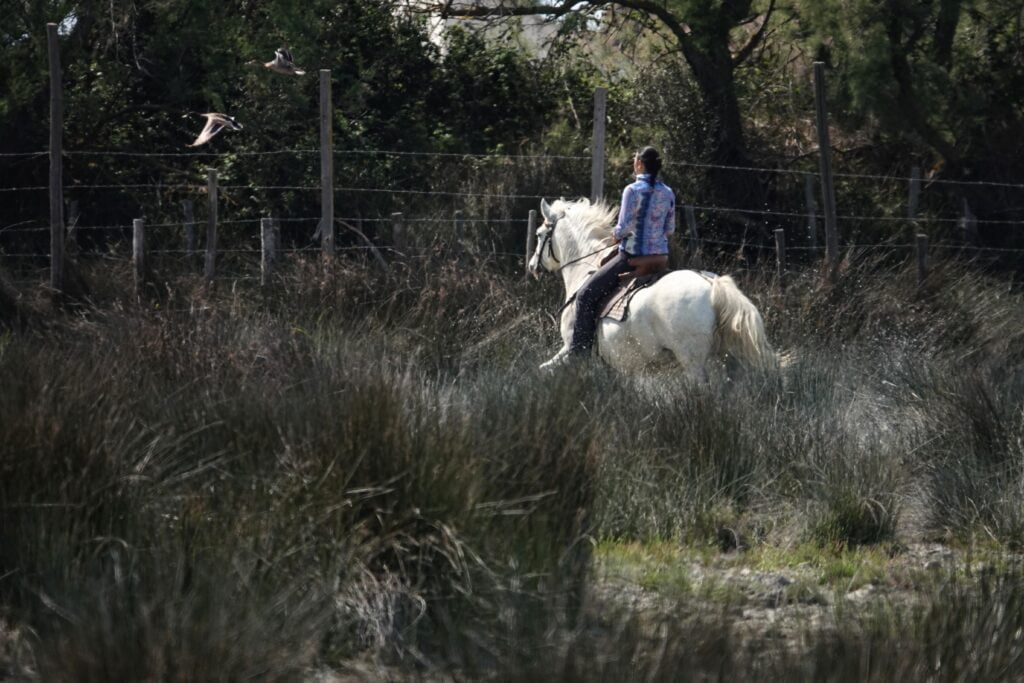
(713, 72)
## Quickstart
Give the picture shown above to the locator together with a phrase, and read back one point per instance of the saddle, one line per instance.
(646, 271)
(646, 265)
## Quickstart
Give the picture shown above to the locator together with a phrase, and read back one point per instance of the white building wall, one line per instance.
(531, 32)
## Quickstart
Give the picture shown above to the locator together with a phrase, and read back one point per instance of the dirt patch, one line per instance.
(780, 604)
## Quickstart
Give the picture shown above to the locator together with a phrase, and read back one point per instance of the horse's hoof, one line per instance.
(556, 362)
(559, 361)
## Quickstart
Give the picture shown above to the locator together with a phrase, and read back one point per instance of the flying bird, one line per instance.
(934, 171)
(283, 63)
(215, 123)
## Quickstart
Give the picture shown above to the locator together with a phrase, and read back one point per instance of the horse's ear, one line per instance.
(545, 209)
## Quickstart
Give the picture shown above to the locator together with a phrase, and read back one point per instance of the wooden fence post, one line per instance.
(597, 145)
(268, 246)
(71, 230)
(277, 237)
(326, 165)
(211, 226)
(72, 217)
(780, 256)
(921, 247)
(531, 238)
(190, 228)
(397, 234)
(913, 192)
(825, 169)
(969, 223)
(56, 162)
(457, 222)
(691, 228)
(812, 211)
(139, 255)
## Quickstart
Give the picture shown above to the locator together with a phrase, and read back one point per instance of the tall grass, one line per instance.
(366, 466)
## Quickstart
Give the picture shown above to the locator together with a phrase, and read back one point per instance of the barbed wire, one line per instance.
(311, 188)
(452, 219)
(929, 181)
(133, 186)
(484, 195)
(302, 188)
(443, 194)
(283, 188)
(954, 247)
(337, 152)
(553, 157)
(83, 152)
(973, 247)
(427, 250)
(821, 217)
(752, 169)
(863, 176)
(199, 223)
(459, 155)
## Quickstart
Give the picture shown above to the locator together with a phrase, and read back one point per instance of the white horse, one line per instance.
(685, 315)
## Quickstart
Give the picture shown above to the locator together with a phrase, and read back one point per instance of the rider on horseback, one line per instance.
(646, 219)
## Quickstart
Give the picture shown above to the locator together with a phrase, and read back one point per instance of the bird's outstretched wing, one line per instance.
(215, 123)
(209, 130)
(284, 64)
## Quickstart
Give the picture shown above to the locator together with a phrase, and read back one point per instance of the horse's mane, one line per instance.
(597, 219)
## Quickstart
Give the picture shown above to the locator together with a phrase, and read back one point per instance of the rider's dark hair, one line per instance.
(652, 162)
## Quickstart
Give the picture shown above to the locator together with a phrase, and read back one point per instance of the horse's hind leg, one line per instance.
(691, 352)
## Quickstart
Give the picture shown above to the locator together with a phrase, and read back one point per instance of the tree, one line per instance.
(943, 78)
(133, 71)
(714, 37)
(891, 59)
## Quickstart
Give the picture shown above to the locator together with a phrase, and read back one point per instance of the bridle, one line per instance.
(547, 242)
(551, 250)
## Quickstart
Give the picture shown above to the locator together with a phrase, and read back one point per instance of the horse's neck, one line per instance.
(575, 275)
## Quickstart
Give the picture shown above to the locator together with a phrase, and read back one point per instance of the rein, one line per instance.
(575, 260)
(551, 251)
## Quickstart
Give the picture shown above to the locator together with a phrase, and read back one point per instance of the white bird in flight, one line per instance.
(215, 123)
(283, 63)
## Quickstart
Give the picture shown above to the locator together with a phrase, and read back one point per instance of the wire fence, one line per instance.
(495, 156)
(806, 220)
(199, 188)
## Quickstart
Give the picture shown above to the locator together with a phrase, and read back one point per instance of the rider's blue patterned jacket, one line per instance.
(647, 217)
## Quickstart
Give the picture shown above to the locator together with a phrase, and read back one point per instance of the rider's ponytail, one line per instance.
(652, 162)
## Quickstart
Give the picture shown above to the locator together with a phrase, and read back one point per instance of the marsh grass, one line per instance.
(972, 463)
(367, 466)
(957, 630)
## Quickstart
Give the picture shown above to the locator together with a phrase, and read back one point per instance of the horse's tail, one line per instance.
(739, 331)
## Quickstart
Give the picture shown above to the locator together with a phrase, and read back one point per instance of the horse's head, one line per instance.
(547, 253)
(544, 253)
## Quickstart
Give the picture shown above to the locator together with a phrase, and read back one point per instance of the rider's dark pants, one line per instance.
(590, 296)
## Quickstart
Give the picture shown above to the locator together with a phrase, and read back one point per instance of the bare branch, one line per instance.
(478, 11)
(755, 39)
(679, 30)
(653, 8)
